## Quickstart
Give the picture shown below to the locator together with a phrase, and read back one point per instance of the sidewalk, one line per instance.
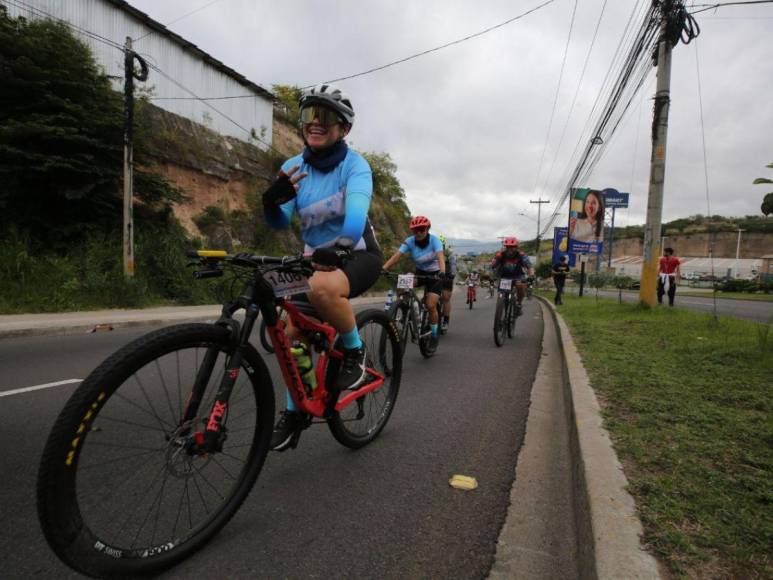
(14, 325)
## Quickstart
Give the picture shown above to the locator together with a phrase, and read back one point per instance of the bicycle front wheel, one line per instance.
(361, 421)
(499, 321)
(511, 317)
(121, 489)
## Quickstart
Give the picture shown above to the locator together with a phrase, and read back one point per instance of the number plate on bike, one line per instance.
(287, 283)
(405, 281)
(505, 284)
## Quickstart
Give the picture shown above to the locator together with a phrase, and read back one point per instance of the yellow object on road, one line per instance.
(464, 482)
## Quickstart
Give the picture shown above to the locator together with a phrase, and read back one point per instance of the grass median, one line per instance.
(689, 404)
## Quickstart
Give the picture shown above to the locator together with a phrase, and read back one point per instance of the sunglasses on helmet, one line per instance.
(325, 116)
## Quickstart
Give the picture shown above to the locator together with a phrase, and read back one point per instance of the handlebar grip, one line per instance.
(201, 274)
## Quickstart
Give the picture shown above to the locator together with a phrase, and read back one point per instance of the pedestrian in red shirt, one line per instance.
(668, 274)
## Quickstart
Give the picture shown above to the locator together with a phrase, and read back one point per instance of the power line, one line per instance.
(555, 99)
(576, 93)
(199, 9)
(42, 13)
(720, 5)
(431, 50)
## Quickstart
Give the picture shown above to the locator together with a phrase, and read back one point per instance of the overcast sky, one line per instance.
(467, 125)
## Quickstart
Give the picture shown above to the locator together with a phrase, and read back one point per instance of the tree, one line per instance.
(61, 138)
(288, 97)
(767, 202)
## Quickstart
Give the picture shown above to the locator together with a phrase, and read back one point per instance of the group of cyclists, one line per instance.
(330, 186)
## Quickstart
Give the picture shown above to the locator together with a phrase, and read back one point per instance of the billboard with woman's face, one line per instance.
(586, 221)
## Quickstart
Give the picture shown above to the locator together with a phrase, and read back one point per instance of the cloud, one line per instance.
(467, 125)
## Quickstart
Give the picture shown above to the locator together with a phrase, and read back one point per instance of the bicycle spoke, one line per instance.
(125, 422)
(175, 420)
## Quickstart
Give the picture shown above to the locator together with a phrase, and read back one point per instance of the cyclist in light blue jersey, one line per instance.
(427, 252)
(448, 282)
(330, 187)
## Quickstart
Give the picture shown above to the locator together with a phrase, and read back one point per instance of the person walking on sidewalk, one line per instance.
(560, 270)
(668, 274)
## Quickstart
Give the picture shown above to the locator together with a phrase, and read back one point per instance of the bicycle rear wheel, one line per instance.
(121, 490)
(360, 422)
(424, 334)
(499, 321)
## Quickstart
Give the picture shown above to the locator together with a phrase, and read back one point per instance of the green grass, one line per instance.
(728, 295)
(689, 405)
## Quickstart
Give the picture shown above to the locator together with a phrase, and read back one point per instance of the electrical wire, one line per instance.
(199, 9)
(632, 73)
(706, 176)
(555, 99)
(437, 48)
(82, 31)
(721, 5)
(576, 93)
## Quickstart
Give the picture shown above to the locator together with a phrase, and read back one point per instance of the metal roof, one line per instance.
(189, 46)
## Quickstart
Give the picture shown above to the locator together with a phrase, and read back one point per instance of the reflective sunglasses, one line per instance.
(420, 230)
(326, 117)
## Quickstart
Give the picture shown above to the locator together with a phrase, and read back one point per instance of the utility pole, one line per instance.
(652, 229)
(128, 153)
(738, 253)
(539, 203)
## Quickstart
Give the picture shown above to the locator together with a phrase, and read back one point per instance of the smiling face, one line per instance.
(591, 206)
(320, 136)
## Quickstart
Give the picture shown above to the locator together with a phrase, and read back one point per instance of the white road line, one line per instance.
(39, 387)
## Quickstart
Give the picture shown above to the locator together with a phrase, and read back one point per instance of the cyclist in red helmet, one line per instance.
(514, 264)
(427, 252)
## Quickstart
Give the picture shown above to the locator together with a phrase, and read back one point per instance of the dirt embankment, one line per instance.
(211, 169)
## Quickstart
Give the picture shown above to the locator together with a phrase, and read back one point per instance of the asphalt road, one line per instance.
(747, 309)
(322, 510)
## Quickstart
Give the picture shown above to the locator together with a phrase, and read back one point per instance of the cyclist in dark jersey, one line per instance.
(513, 264)
(330, 187)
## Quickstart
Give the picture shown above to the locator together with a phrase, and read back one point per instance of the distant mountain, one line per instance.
(463, 245)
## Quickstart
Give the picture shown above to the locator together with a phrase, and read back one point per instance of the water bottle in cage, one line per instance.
(389, 298)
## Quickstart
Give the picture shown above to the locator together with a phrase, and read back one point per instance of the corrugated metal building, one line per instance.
(104, 26)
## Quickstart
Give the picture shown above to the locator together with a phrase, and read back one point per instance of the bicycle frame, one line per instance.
(318, 402)
(258, 297)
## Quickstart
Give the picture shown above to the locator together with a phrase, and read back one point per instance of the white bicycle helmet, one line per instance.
(332, 97)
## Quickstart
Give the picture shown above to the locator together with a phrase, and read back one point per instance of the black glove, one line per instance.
(279, 192)
(334, 256)
(450, 276)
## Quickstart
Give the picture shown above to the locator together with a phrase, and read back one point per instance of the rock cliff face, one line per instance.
(753, 245)
(228, 174)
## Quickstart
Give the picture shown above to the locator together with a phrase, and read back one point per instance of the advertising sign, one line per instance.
(586, 221)
(561, 246)
(614, 198)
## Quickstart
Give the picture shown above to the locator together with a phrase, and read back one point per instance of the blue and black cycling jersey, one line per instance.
(511, 266)
(425, 256)
(332, 206)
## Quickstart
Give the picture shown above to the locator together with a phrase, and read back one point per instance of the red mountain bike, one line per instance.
(160, 445)
(471, 293)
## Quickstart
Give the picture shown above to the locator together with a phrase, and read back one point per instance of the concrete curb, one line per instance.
(608, 527)
(20, 325)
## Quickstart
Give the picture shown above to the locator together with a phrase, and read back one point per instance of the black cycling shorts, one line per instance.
(362, 270)
(448, 283)
(434, 285)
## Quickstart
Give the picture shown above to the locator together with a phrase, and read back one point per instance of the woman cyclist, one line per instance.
(330, 187)
(427, 252)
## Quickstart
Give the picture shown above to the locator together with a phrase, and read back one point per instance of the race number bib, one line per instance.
(405, 281)
(505, 284)
(287, 283)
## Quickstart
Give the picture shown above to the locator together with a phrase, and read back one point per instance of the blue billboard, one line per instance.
(614, 198)
(561, 246)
